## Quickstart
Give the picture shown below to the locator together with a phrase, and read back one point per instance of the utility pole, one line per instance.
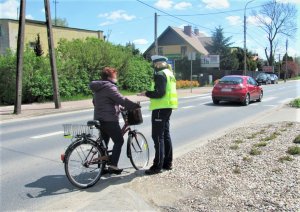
(286, 55)
(191, 56)
(56, 96)
(191, 84)
(279, 66)
(155, 34)
(20, 52)
(55, 4)
(245, 46)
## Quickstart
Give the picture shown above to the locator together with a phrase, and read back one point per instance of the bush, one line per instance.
(37, 78)
(78, 62)
(7, 78)
(137, 76)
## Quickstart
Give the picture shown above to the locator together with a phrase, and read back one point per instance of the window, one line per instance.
(183, 51)
(251, 81)
(160, 51)
(231, 80)
(0, 31)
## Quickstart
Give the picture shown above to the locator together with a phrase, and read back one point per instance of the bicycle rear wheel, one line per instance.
(81, 165)
(138, 150)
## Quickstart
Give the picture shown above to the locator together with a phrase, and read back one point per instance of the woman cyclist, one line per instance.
(107, 100)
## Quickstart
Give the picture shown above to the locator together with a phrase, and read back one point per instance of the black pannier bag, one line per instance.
(135, 117)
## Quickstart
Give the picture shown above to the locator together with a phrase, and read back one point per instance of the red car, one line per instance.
(237, 88)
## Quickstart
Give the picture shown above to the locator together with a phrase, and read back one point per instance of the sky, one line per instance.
(124, 21)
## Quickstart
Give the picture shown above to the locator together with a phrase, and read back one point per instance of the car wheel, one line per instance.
(246, 100)
(260, 96)
(215, 101)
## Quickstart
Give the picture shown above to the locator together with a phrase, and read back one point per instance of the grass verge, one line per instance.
(294, 150)
(297, 140)
(295, 103)
(285, 158)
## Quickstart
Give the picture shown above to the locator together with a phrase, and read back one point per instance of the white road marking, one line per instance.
(202, 95)
(61, 132)
(204, 103)
(268, 99)
(48, 134)
(186, 107)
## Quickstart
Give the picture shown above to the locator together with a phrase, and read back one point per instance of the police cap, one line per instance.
(157, 58)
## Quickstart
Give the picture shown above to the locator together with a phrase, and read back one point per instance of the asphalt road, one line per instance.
(32, 174)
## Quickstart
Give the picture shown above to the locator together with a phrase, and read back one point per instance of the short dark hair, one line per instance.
(107, 72)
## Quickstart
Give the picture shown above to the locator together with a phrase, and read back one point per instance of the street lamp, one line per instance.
(245, 56)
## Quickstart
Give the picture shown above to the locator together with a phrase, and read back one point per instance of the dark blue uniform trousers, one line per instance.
(161, 137)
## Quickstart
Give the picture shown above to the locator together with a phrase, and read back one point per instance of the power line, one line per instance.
(173, 15)
(216, 13)
(255, 40)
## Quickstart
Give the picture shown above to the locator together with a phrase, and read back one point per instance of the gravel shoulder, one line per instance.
(224, 175)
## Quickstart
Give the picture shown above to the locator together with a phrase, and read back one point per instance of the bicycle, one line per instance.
(86, 157)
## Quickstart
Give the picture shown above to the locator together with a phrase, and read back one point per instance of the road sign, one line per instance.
(192, 56)
(210, 61)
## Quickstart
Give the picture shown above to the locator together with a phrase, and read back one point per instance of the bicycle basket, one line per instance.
(76, 130)
(135, 117)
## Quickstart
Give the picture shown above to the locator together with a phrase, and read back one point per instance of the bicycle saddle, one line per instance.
(92, 123)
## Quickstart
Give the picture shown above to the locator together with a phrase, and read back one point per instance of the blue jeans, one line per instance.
(161, 137)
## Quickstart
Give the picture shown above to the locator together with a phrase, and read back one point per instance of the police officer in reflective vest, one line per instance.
(163, 99)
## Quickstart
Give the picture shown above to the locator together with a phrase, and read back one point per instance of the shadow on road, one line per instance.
(50, 185)
(59, 184)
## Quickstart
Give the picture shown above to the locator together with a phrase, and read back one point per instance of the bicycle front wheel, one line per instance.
(138, 150)
(81, 165)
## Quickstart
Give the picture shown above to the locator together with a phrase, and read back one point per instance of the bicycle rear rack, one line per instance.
(77, 130)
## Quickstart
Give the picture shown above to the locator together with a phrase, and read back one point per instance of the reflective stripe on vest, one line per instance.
(170, 99)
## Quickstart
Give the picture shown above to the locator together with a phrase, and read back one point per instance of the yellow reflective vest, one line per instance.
(170, 99)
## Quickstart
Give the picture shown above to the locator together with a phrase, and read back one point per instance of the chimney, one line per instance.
(188, 30)
(196, 31)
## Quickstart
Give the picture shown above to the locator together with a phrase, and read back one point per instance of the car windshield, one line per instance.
(261, 75)
(273, 75)
(231, 80)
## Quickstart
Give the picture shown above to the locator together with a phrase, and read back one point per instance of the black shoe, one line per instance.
(105, 171)
(168, 168)
(114, 171)
(152, 170)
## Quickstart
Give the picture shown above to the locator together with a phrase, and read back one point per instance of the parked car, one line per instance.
(237, 88)
(274, 78)
(263, 78)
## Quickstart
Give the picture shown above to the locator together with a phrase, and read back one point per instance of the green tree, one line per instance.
(252, 59)
(221, 46)
(60, 22)
(134, 50)
(38, 47)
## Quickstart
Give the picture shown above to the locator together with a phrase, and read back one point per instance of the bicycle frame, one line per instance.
(87, 156)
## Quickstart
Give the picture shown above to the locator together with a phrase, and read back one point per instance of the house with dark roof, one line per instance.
(177, 43)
